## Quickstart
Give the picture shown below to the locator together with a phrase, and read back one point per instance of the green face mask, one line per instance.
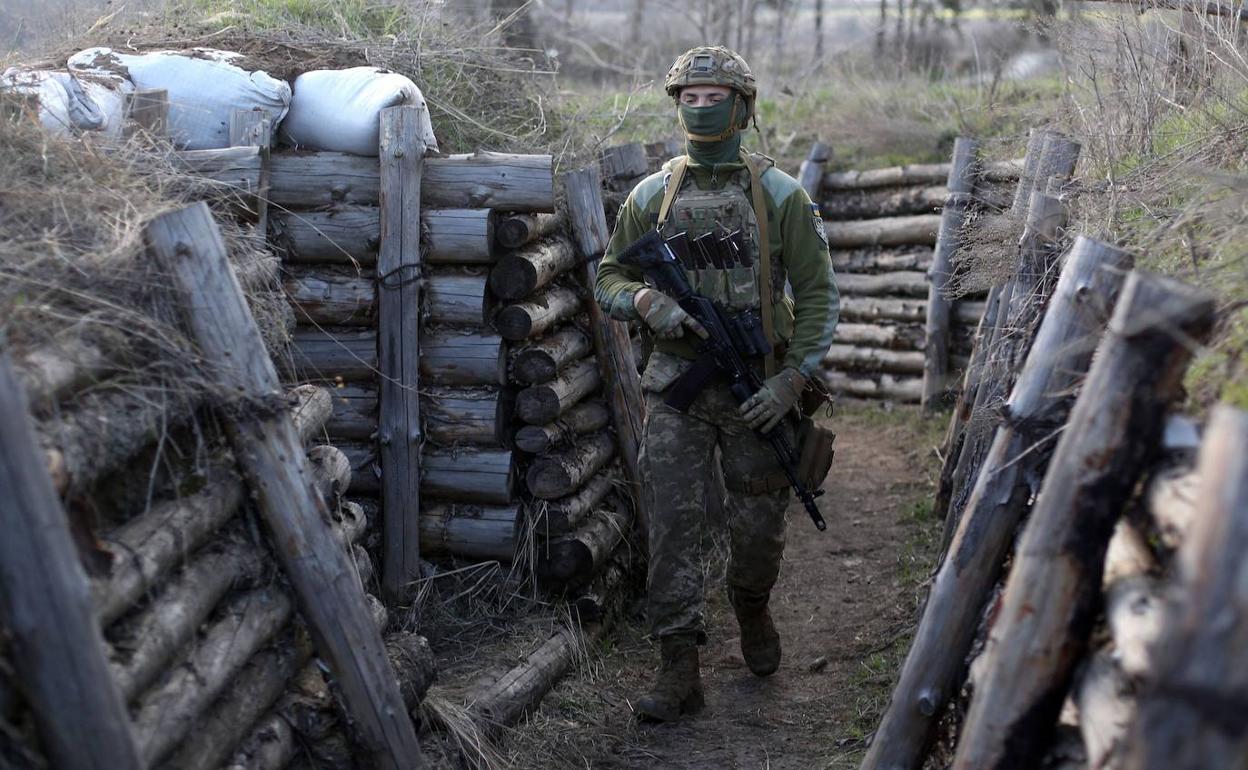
(713, 121)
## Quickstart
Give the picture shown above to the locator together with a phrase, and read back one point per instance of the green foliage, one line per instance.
(1220, 372)
(354, 18)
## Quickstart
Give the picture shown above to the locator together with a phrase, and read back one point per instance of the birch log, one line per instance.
(555, 475)
(889, 231)
(537, 314)
(45, 603)
(1088, 286)
(848, 357)
(1190, 714)
(892, 336)
(541, 361)
(875, 259)
(515, 230)
(883, 202)
(542, 404)
(577, 420)
(189, 246)
(1050, 598)
(520, 273)
(900, 283)
(903, 389)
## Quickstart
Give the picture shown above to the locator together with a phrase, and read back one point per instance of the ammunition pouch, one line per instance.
(814, 452)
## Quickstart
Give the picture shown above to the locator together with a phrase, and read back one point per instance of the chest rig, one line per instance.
(724, 248)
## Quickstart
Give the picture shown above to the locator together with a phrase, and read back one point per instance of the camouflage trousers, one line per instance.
(676, 451)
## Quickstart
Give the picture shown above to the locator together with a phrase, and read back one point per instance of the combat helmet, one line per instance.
(713, 65)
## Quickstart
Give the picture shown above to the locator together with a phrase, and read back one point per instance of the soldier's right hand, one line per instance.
(664, 316)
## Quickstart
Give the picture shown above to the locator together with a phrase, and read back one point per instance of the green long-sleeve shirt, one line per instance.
(806, 322)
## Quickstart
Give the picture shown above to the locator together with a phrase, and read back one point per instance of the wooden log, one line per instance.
(484, 180)
(1027, 178)
(542, 404)
(1050, 598)
(254, 128)
(902, 389)
(541, 361)
(458, 236)
(45, 602)
(536, 315)
(919, 229)
(167, 713)
(365, 471)
(146, 111)
(461, 357)
(457, 417)
(916, 174)
(398, 336)
(968, 313)
(351, 234)
(147, 546)
(355, 412)
(577, 420)
(471, 531)
(1171, 504)
(1089, 284)
(953, 216)
(612, 344)
(458, 299)
(520, 273)
(236, 171)
(517, 229)
(331, 295)
(189, 246)
(847, 357)
(866, 310)
(810, 173)
(470, 475)
(269, 746)
(893, 337)
(521, 689)
(882, 202)
(556, 517)
(66, 364)
(623, 164)
(1187, 717)
(556, 475)
(902, 283)
(1106, 704)
(874, 259)
(571, 561)
(332, 354)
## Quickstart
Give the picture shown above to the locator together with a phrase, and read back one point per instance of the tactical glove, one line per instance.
(764, 410)
(664, 316)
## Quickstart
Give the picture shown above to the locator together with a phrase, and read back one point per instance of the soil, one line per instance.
(846, 605)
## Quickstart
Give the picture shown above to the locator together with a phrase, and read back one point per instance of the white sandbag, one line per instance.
(104, 82)
(50, 97)
(205, 87)
(340, 110)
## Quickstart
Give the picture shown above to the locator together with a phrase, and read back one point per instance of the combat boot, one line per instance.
(678, 687)
(760, 642)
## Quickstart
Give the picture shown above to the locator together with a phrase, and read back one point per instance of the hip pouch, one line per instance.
(814, 442)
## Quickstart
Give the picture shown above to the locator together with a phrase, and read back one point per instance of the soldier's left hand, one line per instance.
(764, 410)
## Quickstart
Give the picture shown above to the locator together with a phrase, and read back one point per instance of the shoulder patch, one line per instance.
(816, 219)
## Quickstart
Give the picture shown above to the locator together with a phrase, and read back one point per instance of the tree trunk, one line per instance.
(871, 259)
(484, 180)
(331, 296)
(513, 230)
(556, 517)
(883, 202)
(573, 560)
(520, 273)
(541, 404)
(1187, 714)
(1050, 598)
(456, 417)
(189, 246)
(919, 229)
(536, 315)
(1089, 283)
(333, 354)
(458, 299)
(351, 234)
(846, 357)
(540, 361)
(471, 531)
(521, 689)
(469, 475)
(232, 171)
(45, 603)
(904, 389)
(893, 337)
(867, 310)
(948, 241)
(577, 420)
(556, 475)
(460, 357)
(906, 284)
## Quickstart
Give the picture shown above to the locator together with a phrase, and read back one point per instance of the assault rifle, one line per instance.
(730, 340)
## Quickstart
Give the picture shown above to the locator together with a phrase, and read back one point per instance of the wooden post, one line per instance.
(398, 277)
(253, 128)
(1053, 591)
(189, 246)
(611, 341)
(961, 185)
(810, 175)
(1088, 286)
(147, 110)
(45, 602)
(1189, 714)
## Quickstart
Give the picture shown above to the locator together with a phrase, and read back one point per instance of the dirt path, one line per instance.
(845, 606)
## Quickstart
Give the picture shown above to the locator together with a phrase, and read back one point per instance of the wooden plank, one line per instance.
(189, 247)
(45, 604)
(810, 174)
(1053, 590)
(960, 184)
(398, 332)
(253, 128)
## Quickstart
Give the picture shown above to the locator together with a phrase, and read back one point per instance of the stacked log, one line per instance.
(489, 233)
(882, 227)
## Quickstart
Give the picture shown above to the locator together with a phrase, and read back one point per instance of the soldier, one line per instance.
(718, 187)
